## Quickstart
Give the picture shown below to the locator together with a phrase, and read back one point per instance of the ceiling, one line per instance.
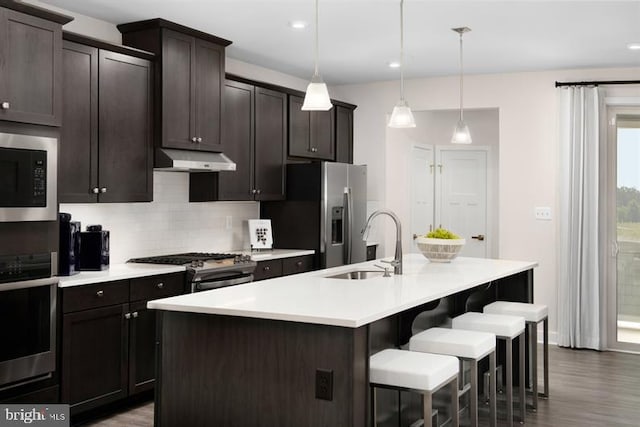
(358, 38)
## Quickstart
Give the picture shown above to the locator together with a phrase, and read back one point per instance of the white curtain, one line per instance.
(579, 305)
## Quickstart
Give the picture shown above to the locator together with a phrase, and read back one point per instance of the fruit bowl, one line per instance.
(439, 250)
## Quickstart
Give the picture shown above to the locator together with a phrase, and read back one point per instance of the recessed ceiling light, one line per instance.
(633, 46)
(298, 25)
(393, 64)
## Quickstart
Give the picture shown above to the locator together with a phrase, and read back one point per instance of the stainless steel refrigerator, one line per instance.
(325, 210)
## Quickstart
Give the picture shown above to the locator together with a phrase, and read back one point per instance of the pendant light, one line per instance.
(317, 96)
(461, 133)
(401, 117)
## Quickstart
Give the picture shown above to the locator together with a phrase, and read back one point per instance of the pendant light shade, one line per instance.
(402, 117)
(317, 96)
(461, 133)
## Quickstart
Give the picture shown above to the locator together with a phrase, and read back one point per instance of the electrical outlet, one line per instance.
(543, 213)
(324, 384)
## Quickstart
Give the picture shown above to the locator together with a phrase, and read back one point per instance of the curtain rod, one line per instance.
(596, 83)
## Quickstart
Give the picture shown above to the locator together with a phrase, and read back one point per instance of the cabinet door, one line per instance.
(125, 131)
(30, 69)
(95, 345)
(238, 134)
(299, 128)
(209, 71)
(178, 90)
(78, 155)
(322, 138)
(344, 134)
(142, 348)
(270, 144)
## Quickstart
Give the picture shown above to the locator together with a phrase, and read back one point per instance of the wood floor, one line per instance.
(588, 389)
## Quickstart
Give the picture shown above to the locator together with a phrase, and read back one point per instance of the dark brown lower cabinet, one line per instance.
(95, 347)
(283, 267)
(109, 339)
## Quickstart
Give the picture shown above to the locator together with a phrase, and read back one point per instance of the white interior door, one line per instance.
(421, 169)
(461, 197)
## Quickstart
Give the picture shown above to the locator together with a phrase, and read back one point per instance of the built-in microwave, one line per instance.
(28, 174)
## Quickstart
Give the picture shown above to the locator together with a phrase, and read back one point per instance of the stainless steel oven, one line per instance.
(27, 319)
(28, 174)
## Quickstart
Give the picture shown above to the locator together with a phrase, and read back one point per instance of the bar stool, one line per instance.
(533, 314)
(506, 328)
(468, 346)
(420, 372)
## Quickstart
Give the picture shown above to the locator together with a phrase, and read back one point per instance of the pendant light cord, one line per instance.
(401, 50)
(317, 48)
(461, 73)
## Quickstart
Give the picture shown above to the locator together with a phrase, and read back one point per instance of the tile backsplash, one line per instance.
(169, 224)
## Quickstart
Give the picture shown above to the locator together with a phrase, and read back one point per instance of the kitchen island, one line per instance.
(293, 351)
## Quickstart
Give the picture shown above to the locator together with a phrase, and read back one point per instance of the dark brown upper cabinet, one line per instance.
(344, 133)
(30, 64)
(190, 80)
(255, 137)
(311, 133)
(106, 148)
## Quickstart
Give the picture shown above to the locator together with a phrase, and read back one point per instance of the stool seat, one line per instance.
(530, 312)
(454, 342)
(418, 371)
(502, 325)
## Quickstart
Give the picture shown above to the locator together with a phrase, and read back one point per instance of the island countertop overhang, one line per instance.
(313, 298)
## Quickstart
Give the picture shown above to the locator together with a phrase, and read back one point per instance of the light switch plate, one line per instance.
(543, 213)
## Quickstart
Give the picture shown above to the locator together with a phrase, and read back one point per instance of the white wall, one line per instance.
(527, 157)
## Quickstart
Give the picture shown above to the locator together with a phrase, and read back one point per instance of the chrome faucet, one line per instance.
(397, 262)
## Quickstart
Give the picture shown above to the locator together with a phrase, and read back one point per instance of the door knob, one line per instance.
(103, 190)
(478, 237)
(415, 236)
(194, 139)
(5, 105)
(199, 139)
(95, 190)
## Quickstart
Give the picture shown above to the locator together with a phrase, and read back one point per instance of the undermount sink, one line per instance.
(358, 275)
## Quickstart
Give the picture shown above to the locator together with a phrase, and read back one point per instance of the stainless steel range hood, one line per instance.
(168, 159)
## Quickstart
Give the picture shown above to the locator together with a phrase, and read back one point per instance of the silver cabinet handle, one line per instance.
(314, 150)
(103, 190)
(135, 314)
(95, 190)
(258, 191)
(199, 139)
(299, 263)
(267, 268)
(194, 139)
(100, 294)
(160, 285)
(127, 316)
(254, 191)
(5, 105)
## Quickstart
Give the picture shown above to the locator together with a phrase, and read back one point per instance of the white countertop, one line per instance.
(117, 272)
(313, 298)
(133, 270)
(265, 255)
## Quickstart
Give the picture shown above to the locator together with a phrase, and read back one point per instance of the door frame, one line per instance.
(410, 180)
(610, 248)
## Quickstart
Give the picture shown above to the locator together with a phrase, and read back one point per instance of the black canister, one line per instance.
(69, 246)
(94, 251)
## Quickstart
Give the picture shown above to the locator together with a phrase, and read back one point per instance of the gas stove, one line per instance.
(208, 270)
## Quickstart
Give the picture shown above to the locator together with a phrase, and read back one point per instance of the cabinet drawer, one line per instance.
(268, 269)
(92, 296)
(154, 287)
(298, 264)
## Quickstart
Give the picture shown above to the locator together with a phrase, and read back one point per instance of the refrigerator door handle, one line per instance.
(349, 229)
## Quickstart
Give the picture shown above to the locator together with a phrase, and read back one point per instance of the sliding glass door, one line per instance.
(624, 267)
